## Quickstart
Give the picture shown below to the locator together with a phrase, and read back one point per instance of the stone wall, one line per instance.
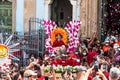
(29, 11)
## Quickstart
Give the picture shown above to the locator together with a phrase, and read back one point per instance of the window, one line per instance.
(6, 14)
(61, 15)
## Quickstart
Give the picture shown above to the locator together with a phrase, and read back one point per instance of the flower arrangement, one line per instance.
(60, 69)
(47, 68)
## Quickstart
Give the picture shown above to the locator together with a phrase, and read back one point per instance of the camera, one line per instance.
(96, 67)
(104, 66)
(51, 68)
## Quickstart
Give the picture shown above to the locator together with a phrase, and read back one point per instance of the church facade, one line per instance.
(61, 11)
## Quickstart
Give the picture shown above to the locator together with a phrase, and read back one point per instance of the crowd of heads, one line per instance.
(97, 61)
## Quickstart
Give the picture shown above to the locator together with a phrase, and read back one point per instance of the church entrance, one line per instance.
(61, 12)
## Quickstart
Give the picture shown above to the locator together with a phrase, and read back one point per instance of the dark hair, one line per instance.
(58, 34)
(15, 77)
(22, 72)
(37, 67)
(68, 72)
(62, 74)
(39, 74)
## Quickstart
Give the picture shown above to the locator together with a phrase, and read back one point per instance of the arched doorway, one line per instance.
(61, 12)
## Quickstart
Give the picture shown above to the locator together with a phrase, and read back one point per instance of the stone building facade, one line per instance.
(84, 10)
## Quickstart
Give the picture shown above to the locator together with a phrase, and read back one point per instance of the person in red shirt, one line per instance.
(91, 55)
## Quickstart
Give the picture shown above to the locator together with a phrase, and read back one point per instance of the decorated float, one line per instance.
(61, 44)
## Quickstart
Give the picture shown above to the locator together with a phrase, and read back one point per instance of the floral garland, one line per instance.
(73, 29)
(59, 31)
(49, 27)
(60, 69)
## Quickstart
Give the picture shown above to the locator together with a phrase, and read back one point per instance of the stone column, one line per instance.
(94, 16)
(83, 13)
(29, 12)
(13, 15)
(47, 9)
(74, 8)
(88, 16)
(78, 9)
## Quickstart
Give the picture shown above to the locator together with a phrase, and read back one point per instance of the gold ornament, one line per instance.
(3, 51)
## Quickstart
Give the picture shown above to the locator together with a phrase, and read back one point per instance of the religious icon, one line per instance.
(5, 52)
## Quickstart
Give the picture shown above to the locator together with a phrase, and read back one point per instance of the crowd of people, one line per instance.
(96, 60)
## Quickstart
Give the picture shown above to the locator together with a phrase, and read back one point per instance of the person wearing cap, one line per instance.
(114, 74)
(81, 73)
(30, 75)
(106, 47)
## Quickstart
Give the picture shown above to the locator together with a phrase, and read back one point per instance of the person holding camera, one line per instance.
(104, 69)
(95, 73)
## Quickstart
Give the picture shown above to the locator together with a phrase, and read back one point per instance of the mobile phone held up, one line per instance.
(96, 67)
